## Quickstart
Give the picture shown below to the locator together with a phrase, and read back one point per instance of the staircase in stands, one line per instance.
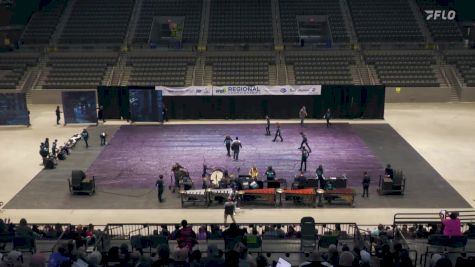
(62, 23)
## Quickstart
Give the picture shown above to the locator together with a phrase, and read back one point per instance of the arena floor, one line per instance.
(440, 133)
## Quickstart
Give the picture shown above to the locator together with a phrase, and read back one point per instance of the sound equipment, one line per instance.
(76, 178)
(49, 163)
(273, 184)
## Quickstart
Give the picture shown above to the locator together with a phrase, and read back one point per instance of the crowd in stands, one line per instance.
(187, 248)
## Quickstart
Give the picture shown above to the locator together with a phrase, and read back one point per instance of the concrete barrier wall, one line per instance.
(468, 94)
(417, 94)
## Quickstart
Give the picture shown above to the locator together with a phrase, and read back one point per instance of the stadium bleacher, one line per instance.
(383, 21)
(240, 70)
(190, 9)
(403, 68)
(97, 22)
(42, 25)
(13, 67)
(290, 9)
(240, 21)
(465, 64)
(77, 70)
(323, 68)
(149, 70)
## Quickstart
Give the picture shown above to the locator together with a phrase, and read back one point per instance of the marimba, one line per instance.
(346, 195)
(223, 193)
(194, 196)
(265, 195)
(305, 195)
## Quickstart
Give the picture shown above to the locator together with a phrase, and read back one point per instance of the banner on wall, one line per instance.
(13, 109)
(79, 107)
(242, 90)
(186, 91)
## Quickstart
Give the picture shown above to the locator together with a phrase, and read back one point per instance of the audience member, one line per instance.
(261, 261)
(94, 259)
(347, 258)
(23, 230)
(451, 224)
(195, 259)
(37, 260)
(181, 257)
(186, 235)
(163, 257)
(315, 260)
(214, 258)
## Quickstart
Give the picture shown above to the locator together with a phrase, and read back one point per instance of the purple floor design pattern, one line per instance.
(136, 155)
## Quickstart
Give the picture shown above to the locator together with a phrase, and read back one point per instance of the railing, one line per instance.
(125, 231)
(400, 219)
(450, 254)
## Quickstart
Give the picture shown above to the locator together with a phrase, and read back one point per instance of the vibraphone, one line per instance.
(265, 195)
(194, 196)
(306, 195)
(346, 195)
(215, 194)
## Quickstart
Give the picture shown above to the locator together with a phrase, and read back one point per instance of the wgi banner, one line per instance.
(268, 90)
(186, 91)
(242, 90)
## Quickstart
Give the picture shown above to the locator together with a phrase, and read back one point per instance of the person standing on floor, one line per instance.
(53, 147)
(85, 137)
(160, 187)
(321, 179)
(236, 146)
(302, 115)
(304, 142)
(103, 137)
(227, 141)
(229, 208)
(278, 133)
(100, 114)
(303, 160)
(165, 113)
(327, 116)
(366, 182)
(267, 125)
(58, 115)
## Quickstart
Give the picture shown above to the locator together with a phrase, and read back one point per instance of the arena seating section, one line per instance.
(42, 25)
(441, 30)
(384, 21)
(240, 21)
(240, 70)
(13, 67)
(77, 70)
(97, 22)
(149, 70)
(190, 9)
(321, 68)
(404, 69)
(289, 9)
(465, 64)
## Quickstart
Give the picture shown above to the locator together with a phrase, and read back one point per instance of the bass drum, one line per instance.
(216, 177)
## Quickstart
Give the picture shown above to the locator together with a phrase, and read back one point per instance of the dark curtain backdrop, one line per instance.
(344, 101)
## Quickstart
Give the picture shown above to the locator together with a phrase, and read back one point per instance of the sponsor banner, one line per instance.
(231, 90)
(267, 90)
(186, 91)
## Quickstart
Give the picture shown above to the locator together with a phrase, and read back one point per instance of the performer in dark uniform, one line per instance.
(58, 115)
(277, 133)
(327, 117)
(267, 125)
(321, 179)
(100, 114)
(160, 187)
(227, 141)
(303, 160)
(304, 142)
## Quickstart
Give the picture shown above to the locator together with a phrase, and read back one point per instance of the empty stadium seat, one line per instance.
(240, 70)
(404, 69)
(190, 9)
(324, 68)
(384, 21)
(441, 30)
(240, 21)
(465, 64)
(13, 67)
(77, 71)
(42, 25)
(97, 22)
(150, 70)
(289, 9)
